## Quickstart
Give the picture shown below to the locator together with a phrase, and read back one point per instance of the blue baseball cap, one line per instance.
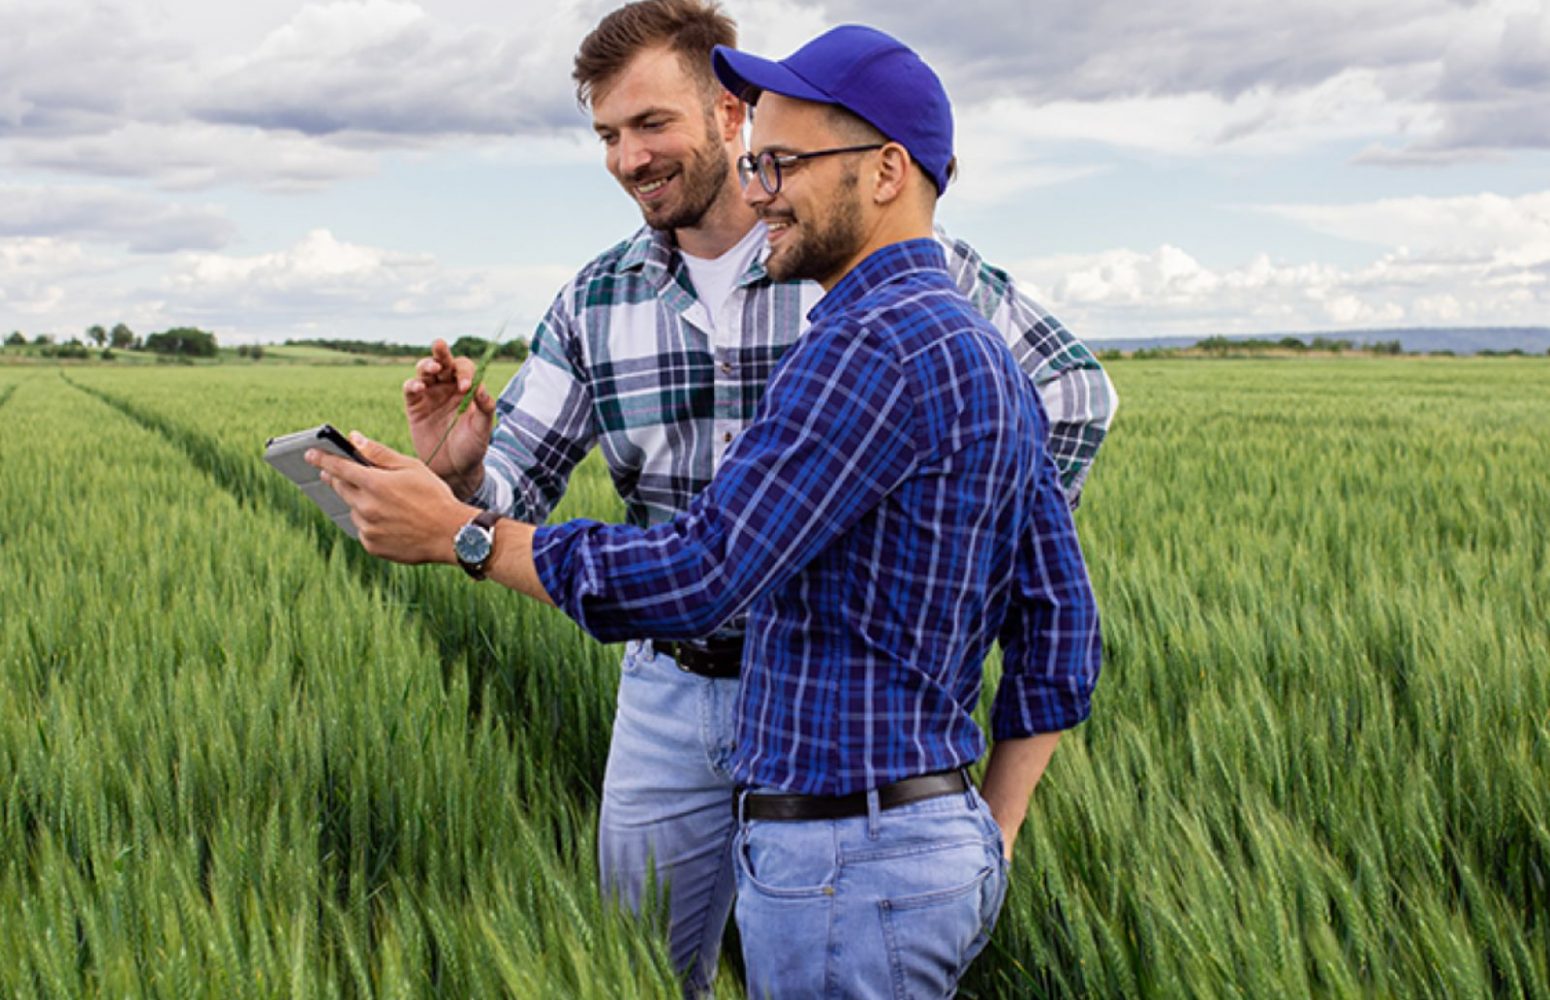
(870, 74)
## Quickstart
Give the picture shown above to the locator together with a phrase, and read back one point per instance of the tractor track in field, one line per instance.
(236, 477)
(6, 394)
(255, 486)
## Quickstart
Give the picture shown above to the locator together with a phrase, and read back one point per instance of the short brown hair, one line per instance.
(858, 130)
(691, 28)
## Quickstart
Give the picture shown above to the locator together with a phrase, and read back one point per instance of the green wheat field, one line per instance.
(241, 759)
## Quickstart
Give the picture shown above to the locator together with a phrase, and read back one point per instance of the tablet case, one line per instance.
(285, 453)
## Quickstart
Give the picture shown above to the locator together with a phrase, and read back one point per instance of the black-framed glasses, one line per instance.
(767, 165)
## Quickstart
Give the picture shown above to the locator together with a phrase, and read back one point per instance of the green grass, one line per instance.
(235, 764)
(242, 758)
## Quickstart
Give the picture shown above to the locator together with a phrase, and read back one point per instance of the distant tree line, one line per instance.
(185, 342)
(374, 348)
(1329, 345)
(1222, 347)
(182, 341)
(473, 347)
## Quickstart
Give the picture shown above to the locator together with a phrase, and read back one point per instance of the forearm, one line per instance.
(511, 565)
(1011, 775)
(672, 581)
(511, 560)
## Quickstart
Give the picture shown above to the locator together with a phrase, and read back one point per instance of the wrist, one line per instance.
(465, 485)
(473, 542)
(447, 523)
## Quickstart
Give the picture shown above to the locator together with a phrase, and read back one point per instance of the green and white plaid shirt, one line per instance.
(630, 359)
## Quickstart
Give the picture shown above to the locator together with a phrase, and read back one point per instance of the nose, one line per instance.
(754, 194)
(631, 153)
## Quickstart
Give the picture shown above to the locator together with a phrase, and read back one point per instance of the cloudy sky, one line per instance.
(405, 169)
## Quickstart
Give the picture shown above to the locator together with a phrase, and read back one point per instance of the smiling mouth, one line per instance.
(775, 227)
(650, 188)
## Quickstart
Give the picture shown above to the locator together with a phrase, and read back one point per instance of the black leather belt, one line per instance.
(713, 658)
(781, 806)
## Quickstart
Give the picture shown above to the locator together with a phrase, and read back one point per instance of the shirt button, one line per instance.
(727, 437)
(726, 367)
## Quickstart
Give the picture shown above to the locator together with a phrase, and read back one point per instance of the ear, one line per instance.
(893, 172)
(730, 112)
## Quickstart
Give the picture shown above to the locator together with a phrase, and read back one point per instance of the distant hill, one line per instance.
(1459, 340)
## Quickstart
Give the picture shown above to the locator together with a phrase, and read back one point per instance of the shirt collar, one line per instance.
(648, 248)
(654, 249)
(877, 269)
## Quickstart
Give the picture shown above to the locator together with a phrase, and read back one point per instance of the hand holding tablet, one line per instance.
(286, 453)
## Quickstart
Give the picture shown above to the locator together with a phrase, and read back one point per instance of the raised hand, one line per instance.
(431, 399)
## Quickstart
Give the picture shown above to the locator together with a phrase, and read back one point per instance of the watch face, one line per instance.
(472, 544)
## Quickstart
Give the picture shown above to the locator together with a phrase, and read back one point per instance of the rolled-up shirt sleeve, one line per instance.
(545, 424)
(1050, 644)
(832, 438)
(1072, 385)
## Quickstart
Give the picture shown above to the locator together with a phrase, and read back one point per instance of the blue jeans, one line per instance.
(667, 804)
(891, 904)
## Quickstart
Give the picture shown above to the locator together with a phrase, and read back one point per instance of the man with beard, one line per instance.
(658, 352)
(889, 514)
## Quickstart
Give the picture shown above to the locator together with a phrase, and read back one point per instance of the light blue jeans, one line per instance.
(891, 904)
(667, 804)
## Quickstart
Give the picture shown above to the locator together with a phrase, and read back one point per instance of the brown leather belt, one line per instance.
(783, 806)
(720, 658)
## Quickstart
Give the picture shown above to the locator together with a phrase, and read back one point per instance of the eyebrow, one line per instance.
(637, 119)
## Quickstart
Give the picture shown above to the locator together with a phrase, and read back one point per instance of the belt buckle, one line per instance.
(676, 650)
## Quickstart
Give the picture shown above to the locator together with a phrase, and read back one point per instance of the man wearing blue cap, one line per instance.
(867, 865)
(890, 513)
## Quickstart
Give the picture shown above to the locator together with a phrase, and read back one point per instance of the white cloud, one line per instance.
(325, 284)
(1482, 260)
(110, 215)
(308, 95)
(1256, 122)
(1511, 231)
(68, 69)
(42, 276)
(321, 286)
(190, 156)
(1494, 81)
(386, 67)
(1428, 76)
(776, 28)
(109, 90)
(114, 89)
(1087, 50)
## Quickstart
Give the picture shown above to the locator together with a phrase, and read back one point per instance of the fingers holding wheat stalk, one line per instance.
(490, 351)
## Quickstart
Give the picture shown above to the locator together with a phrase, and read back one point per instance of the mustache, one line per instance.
(647, 174)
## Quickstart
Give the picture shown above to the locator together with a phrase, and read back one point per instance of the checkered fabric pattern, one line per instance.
(630, 360)
(889, 514)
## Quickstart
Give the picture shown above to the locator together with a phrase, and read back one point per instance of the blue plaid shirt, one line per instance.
(891, 511)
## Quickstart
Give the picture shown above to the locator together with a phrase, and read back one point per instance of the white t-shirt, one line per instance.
(714, 278)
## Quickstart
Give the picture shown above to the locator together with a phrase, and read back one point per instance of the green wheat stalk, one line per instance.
(490, 350)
